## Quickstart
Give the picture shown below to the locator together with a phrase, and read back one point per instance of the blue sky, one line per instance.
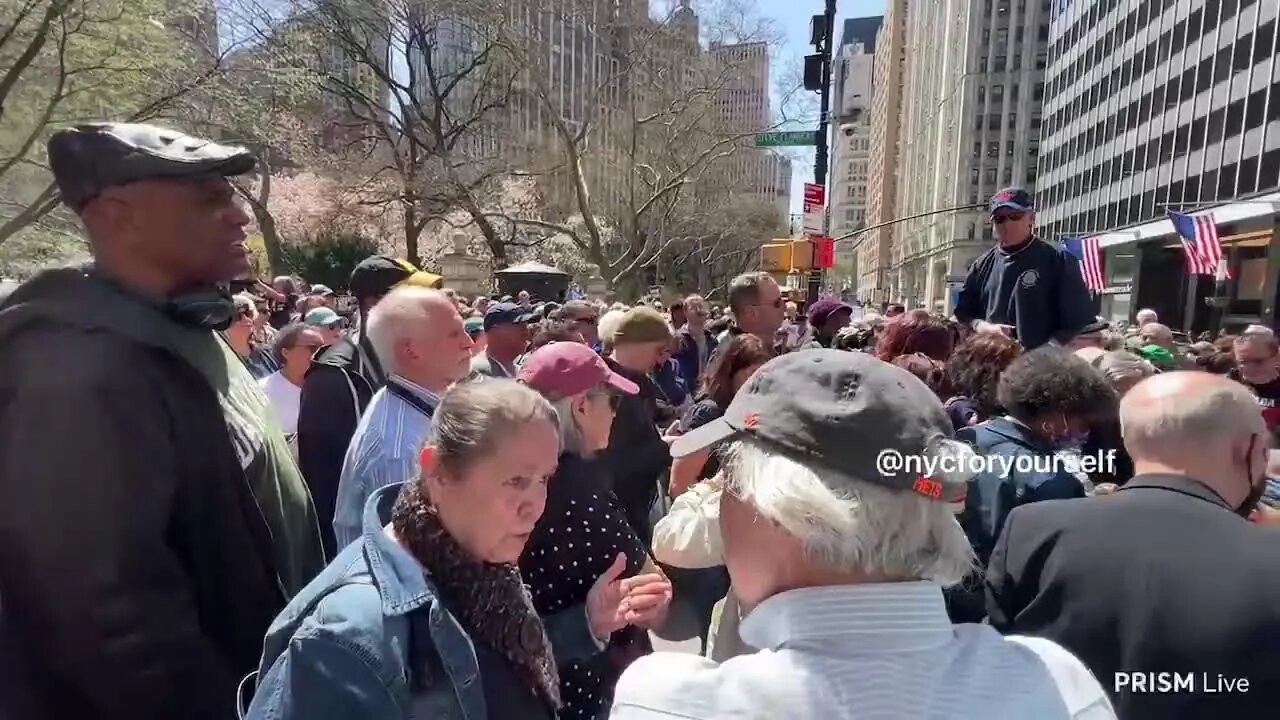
(792, 17)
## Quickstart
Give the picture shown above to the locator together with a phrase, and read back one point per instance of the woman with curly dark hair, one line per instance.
(916, 331)
(1051, 398)
(974, 369)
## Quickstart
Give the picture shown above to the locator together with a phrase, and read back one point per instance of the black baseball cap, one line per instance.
(89, 158)
(1015, 199)
(377, 274)
(840, 411)
(507, 314)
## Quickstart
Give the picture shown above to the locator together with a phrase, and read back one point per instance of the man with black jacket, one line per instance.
(337, 388)
(1024, 287)
(152, 519)
(1165, 575)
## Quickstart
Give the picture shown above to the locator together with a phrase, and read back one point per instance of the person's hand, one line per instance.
(1265, 515)
(672, 432)
(646, 599)
(983, 326)
(604, 612)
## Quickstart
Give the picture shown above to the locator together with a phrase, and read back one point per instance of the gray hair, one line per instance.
(1118, 366)
(400, 314)
(1112, 340)
(1259, 335)
(860, 526)
(246, 303)
(1161, 426)
(473, 417)
(571, 439)
(286, 339)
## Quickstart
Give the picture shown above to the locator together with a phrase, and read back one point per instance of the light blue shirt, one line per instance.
(864, 651)
(383, 451)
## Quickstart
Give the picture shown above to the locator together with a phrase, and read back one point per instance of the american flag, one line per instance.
(1200, 244)
(1089, 252)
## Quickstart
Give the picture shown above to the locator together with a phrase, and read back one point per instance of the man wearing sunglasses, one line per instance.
(1024, 287)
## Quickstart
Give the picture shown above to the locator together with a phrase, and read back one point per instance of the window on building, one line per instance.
(1001, 62)
(997, 92)
(1037, 92)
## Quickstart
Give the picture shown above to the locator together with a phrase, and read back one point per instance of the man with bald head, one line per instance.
(1167, 574)
(423, 345)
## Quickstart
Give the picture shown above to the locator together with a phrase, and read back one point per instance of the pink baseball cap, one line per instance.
(564, 369)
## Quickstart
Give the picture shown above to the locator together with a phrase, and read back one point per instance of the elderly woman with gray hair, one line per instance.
(426, 614)
(584, 537)
(839, 541)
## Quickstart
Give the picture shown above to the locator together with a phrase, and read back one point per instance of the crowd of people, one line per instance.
(291, 503)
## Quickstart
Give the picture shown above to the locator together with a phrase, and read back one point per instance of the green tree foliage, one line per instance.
(329, 258)
(71, 61)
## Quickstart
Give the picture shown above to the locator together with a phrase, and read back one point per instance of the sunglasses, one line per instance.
(1002, 219)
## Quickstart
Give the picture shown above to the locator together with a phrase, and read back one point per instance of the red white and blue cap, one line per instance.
(1015, 199)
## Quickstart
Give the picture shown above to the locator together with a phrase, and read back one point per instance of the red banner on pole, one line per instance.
(824, 253)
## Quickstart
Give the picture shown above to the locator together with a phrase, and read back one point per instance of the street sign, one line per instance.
(824, 253)
(815, 201)
(814, 194)
(787, 139)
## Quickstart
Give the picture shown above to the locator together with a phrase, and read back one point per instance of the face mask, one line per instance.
(1256, 489)
(1067, 440)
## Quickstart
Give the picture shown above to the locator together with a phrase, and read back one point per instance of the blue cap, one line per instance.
(1014, 199)
(322, 317)
(507, 313)
(474, 326)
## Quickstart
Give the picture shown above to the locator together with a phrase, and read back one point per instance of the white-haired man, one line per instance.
(838, 554)
(419, 337)
(1164, 575)
(1145, 316)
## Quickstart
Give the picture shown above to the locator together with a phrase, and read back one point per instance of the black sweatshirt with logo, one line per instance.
(1036, 287)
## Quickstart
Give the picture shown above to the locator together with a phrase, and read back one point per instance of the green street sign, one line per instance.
(782, 139)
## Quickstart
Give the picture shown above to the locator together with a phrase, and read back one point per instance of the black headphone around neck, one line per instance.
(211, 308)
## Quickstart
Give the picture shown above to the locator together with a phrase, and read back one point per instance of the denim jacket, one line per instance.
(369, 639)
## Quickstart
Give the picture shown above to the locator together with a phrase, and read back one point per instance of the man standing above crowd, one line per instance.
(339, 384)
(152, 521)
(418, 335)
(1166, 574)
(582, 317)
(506, 331)
(1024, 287)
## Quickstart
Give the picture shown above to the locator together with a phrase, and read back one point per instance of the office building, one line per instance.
(850, 141)
(743, 106)
(1159, 105)
(873, 248)
(970, 125)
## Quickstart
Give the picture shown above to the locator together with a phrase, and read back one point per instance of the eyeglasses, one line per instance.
(1002, 219)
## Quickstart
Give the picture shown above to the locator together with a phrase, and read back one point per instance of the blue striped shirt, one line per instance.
(383, 451)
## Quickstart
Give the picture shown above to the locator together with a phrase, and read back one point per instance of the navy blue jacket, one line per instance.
(1037, 289)
(686, 356)
(1033, 474)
